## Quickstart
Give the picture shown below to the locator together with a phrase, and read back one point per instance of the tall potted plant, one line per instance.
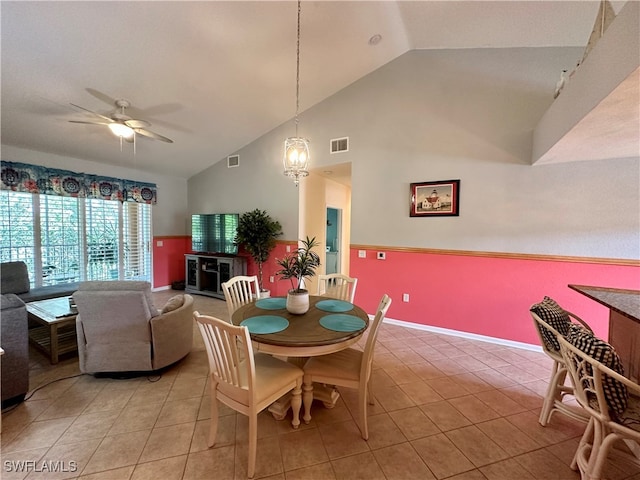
(257, 233)
(297, 266)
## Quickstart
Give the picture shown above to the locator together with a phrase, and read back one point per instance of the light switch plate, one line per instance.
(362, 254)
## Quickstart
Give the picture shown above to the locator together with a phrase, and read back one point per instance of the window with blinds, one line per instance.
(137, 241)
(60, 245)
(66, 239)
(17, 228)
(103, 247)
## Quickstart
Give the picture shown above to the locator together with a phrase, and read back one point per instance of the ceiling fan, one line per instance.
(121, 124)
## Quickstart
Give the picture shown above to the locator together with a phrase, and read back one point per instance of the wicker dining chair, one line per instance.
(551, 322)
(611, 400)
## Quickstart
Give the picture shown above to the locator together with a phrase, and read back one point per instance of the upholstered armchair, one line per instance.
(120, 330)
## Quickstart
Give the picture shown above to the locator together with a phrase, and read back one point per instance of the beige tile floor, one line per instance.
(446, 407)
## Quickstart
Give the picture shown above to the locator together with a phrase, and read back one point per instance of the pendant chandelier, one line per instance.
(296, 149)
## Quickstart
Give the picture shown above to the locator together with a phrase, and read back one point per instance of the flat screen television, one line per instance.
(214, 233)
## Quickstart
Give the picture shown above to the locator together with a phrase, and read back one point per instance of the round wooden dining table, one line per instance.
(303, 336)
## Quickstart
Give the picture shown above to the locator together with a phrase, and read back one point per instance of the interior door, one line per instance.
(332, 246)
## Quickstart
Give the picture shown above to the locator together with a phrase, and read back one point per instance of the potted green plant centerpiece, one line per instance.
(297, 266)
(257, 233)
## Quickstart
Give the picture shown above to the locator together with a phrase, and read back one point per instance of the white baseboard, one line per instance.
(159, 289)
(470, 336)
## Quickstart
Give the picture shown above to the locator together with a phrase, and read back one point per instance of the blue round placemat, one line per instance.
(263, 324)
(272, 303)
(334, 305)
(341, 322)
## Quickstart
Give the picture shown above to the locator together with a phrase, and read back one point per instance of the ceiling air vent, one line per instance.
(233, 161)
(338, 145)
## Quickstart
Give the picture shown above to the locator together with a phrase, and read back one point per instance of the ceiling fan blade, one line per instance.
(101, 96)
(150, 134)
(90, 123)
(94, 113)
(137, 123)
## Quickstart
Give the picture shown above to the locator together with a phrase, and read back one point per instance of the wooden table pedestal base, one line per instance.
(327, 394)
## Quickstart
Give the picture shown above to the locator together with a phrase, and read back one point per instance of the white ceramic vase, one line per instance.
(298, 302)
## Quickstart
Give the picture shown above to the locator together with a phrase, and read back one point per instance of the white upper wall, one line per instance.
(168, 215)
(469, 115)
(440, 115)
(257, 182)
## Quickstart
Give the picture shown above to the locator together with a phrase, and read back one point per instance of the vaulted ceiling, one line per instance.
(214, 76)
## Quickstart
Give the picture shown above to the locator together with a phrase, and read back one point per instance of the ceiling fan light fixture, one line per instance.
(122, 125)
(121, 130)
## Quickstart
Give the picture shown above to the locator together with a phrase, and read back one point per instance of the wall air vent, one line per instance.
(233, 161)
(339, 145)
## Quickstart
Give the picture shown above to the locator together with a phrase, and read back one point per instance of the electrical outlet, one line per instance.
(271, 279)
(362, 254)
(381, 256)
(405, 297)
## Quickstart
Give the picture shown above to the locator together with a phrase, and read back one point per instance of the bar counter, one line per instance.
(624, 322)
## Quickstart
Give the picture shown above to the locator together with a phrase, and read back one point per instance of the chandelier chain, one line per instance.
(296, 149)
(298, 67)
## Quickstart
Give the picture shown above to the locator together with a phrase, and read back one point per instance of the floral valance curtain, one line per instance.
(22, 177)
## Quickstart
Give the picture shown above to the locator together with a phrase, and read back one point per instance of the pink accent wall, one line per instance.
(477, 294)
(278, 288)
(483, 295)
(168, 260)
(169, 263)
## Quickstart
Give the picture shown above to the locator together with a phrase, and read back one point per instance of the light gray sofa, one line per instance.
(14, 340)
(120, 330)
(14, 326)
(14, 278)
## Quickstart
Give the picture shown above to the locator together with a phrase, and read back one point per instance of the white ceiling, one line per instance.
(213, 76)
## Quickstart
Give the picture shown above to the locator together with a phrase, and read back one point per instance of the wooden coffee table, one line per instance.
(54, 332)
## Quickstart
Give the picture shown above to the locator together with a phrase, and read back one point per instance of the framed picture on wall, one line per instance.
(435, 199)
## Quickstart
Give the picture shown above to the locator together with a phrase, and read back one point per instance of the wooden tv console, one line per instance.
(205, 274)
